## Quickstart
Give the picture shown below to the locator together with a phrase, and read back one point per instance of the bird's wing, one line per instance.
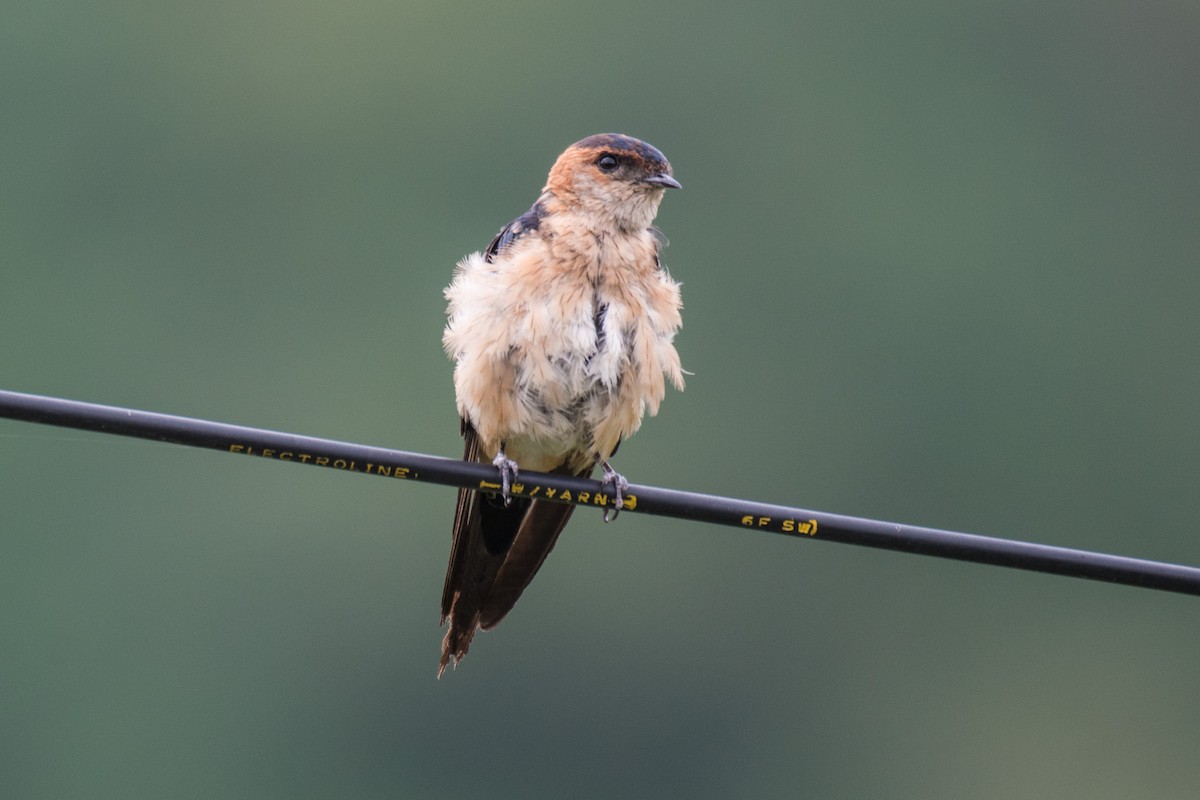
(529, 221)
(465, 518)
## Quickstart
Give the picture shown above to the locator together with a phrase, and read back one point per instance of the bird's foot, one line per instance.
(508, 474)
(619, 484)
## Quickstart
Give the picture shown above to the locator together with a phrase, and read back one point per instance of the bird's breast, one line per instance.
(563, 342)
(573, 355)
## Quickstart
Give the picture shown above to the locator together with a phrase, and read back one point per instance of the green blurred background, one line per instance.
(939, 265)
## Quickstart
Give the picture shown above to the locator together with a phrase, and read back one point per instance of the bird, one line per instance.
(562, 332)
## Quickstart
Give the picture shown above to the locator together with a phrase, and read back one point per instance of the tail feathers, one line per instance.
(471, 573)
(482, 585)
(455, 644)
(535, 539)
(495, 552)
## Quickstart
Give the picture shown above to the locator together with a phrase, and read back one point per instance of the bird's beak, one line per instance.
(665, 181)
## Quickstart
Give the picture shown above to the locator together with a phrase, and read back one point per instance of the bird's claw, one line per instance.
(619, 484)
(508, 474)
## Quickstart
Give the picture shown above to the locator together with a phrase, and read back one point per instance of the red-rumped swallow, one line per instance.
(561, 332)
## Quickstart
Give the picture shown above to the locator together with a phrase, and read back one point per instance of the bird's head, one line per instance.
(615, 180)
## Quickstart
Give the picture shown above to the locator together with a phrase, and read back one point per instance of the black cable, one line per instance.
(802, 523)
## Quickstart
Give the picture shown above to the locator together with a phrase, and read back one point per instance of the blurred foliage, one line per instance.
(939, 265)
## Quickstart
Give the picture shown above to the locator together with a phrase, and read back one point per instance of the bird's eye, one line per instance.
(607, 162)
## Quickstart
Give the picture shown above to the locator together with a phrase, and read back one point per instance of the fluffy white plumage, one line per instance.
(603, 339)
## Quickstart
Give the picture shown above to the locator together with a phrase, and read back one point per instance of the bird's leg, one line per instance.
(619, 485)
(508, 474)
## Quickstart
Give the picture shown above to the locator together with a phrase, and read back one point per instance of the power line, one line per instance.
(744, 514)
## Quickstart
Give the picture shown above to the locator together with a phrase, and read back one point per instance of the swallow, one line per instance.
(562, 333)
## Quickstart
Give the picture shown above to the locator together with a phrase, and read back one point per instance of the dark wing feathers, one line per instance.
(464, 513)
(529, 221)
(495, 553)
(535, 538)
